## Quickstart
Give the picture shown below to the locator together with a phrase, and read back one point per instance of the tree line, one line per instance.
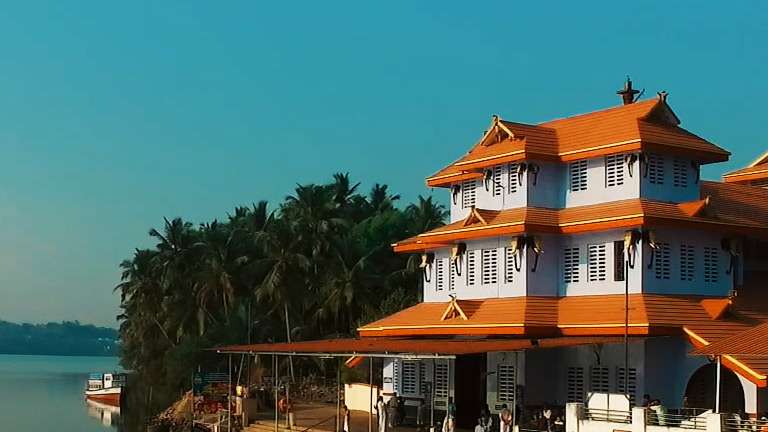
(317, 266)
(68, 338)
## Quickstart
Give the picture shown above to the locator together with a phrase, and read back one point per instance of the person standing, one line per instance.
(449, 425)
(505, 419)
(381, 414)
(345, 418)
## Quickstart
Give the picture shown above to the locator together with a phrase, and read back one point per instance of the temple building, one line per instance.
(565, 238)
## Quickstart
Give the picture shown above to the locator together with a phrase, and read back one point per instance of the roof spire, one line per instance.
(628, 93)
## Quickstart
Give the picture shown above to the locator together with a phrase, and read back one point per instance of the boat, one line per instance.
(105, 388)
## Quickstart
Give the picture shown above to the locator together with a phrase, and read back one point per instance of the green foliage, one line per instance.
(65, 338)
(319, 266)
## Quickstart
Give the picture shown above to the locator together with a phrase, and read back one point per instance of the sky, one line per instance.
(115, 115)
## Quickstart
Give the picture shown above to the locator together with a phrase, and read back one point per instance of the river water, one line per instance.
(45, 393)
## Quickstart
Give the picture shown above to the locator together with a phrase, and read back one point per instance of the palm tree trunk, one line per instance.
(288, 335)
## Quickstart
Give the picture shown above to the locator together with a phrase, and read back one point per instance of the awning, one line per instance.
(409, 348)
(748, 343)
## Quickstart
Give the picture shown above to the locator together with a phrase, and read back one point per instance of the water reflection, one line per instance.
(108, 415)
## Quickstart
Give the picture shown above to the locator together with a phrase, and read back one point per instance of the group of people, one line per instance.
(390, 414)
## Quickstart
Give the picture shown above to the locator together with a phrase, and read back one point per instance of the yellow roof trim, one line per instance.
(741, 365)
(761, 160)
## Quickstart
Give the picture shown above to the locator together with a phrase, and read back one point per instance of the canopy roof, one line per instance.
(409, 348)
(749, 344)
(648, 125)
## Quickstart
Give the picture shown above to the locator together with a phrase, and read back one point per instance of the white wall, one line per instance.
(668, 191)
(597, 191)
(674, 285)
(609, 285)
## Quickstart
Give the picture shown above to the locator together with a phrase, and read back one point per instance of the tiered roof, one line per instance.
(702, 319)
(648, 125)
(758, 170)
(729, 207)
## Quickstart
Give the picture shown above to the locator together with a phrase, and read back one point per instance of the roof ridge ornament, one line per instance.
(453, 310)
(628, 93)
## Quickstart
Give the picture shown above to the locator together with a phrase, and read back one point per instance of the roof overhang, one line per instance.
(408, 348)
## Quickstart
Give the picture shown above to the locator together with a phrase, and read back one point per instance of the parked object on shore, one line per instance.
(105, 387)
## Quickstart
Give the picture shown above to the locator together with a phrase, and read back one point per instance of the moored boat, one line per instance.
(105, 388)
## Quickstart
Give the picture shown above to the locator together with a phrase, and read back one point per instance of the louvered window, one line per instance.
(396, 375)
(498, 186)
(441, 380)
(679, 173)
(618, 260)
(596, 267)
(453, 265)
(410, 377)
(687, 262)
(512, 183)
(424, 380)
(711, 258)
(578, 175)
(661, 261)
(490, 265)
(614, 170)
(599, 381)
(505, 382)
(571, 265)
(471, 267)
(575, 391)
(440, 274)
(509, 265)
(631, 384)
(656, 169)
(468, 193)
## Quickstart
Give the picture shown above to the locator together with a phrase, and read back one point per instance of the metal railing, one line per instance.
(679, 418)
(734, 423)
(608, 415)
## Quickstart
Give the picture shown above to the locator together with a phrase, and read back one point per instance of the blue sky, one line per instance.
(115, 115)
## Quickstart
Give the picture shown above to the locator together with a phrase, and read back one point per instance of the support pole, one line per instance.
(370, 394)
(274, 385)
(514, 395)
(626, 327)
(338, 393)
(717, 387)
(229, 397)
(432, 396)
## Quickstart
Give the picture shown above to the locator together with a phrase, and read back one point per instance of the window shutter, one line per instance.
(410, 377)
(575, 391)
(599, 379)
(578, 175)
(512, 177)
(509, 265)
(687, 262)
(424, 380)
(618, 260)
(452, 273)
(596, 266)
(396, 375)
(498, 187)
(440, 274)
(490, 266)
(632, 384)
(711, 258)
(614, 170)
(679, 173)
(468, 193)
(471, 267)
(505, 383)
(661, 261)
(441, 379)
(571, 265)
(656, 169)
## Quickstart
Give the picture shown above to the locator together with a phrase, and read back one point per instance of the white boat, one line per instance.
(105, 388)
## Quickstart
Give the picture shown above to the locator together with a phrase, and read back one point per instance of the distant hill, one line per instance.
(65, 338)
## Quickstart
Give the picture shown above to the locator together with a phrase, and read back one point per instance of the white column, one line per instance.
(717, 387)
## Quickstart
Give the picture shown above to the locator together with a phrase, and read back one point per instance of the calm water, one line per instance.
(45, 393)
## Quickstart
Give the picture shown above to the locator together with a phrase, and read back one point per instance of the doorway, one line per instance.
(470, 391)
(700, 391)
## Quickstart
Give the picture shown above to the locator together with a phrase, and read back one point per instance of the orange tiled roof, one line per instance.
(753, 172)
(648, 124)
(748, 343)
(724, 204)
(550, 316)
(585, 316)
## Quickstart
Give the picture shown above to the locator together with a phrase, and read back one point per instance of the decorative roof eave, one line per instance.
(759, 161)
(729, 361)
(738, 177)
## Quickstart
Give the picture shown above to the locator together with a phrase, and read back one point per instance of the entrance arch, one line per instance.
(700, 391)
